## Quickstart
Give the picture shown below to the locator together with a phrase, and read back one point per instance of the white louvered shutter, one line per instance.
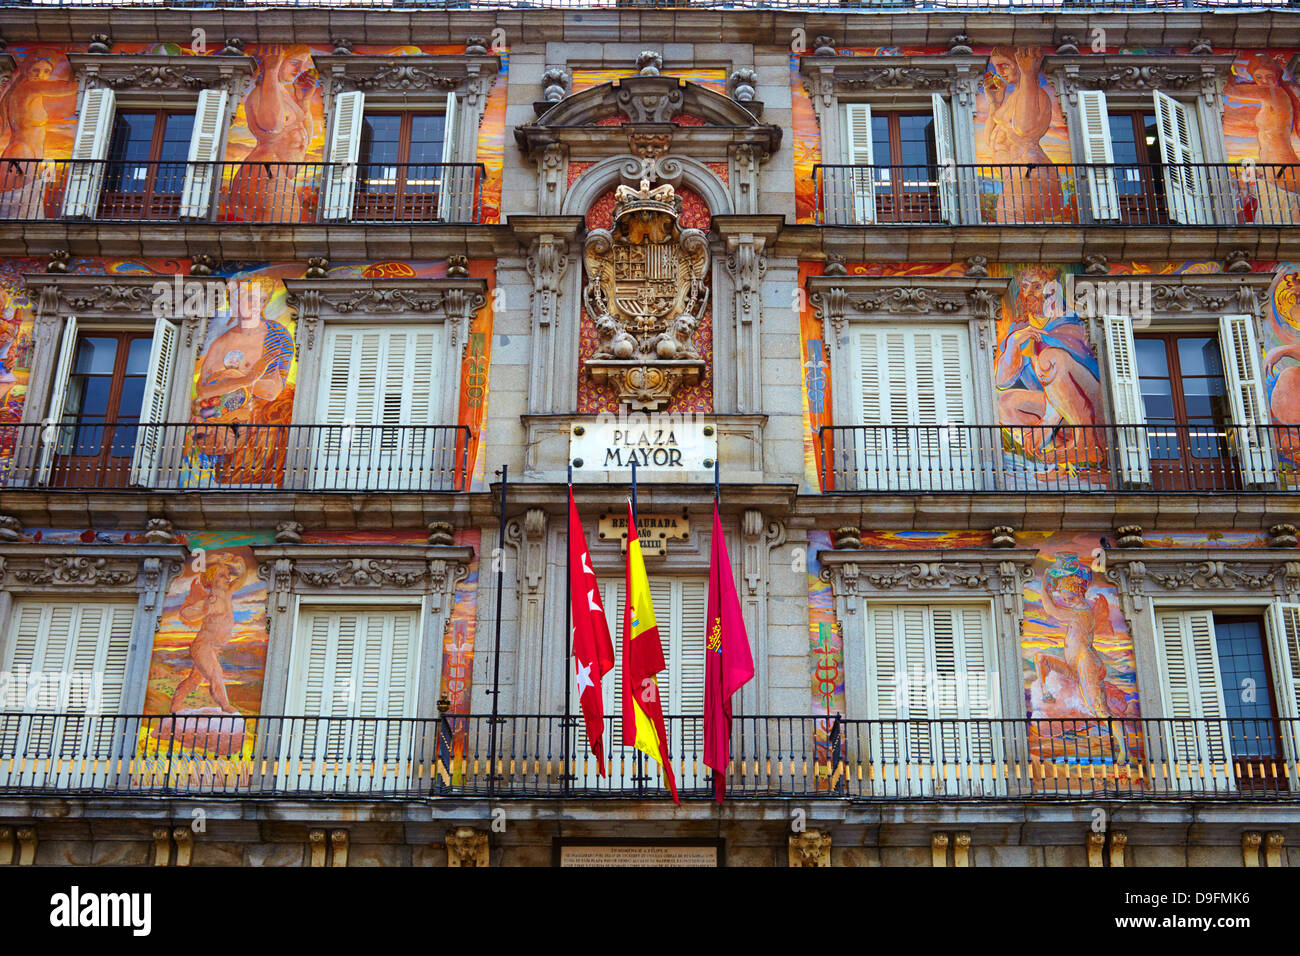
(944, 153)
(53, 433)
(1126, 395)
(1284, 655)
(378, 388)
(1196, 735)
(153, 409)
(1186, 191)
(1098, 153)
(201, 167)
(457, 187)
(917, 382)
(856, 196)
(89, 149)
(344, 148)
(1241, 366)
(357, 665)
(66, 660)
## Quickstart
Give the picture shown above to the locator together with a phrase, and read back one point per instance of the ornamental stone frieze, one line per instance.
(73, 570)
(395, 80)
(858, 574)
(838, 299)
(153, 73)
(646, 292)
(1203, 75)
(116, 569)
(1232, 572)
(1168, 298)
(433, 570)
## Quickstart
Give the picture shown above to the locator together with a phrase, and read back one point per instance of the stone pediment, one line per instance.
(156, 73)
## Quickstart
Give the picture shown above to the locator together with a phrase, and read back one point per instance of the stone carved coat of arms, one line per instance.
(646, 292)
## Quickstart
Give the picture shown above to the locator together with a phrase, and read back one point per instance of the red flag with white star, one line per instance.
(593, 649)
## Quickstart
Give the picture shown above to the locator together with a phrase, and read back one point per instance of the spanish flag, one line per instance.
(643, 658)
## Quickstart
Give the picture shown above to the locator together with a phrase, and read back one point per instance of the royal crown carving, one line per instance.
(646, 292)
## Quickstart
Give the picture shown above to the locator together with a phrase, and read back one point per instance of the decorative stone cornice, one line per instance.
(1153, 572)
(1175, 297)
(435, 570)
(855, 574)
(102, 296)
(837, 299)
(825, 77)
(402, 77)
(1138, 73)
(153, 73)
(139, 568)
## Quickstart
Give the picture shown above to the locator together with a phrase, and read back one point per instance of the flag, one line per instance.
(643, 658)
(728, 663)
(593, 650)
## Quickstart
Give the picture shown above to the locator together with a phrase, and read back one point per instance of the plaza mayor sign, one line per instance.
(664, 448)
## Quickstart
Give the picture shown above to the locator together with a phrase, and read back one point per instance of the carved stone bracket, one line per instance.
(528, 535)
(1213, 571)
(467, 847)
(810, 848)
(546, 264)
(1000, 572)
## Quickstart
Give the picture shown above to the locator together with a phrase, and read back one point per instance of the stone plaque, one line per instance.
(664, 450)
(614, 854)
(654, 530)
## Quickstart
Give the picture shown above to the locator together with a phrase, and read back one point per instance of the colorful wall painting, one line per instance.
(1281, 366)
(825, 650)
(814, 360)
(1261, 129)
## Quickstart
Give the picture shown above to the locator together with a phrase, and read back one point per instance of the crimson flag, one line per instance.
(593, 650)
(728, 663)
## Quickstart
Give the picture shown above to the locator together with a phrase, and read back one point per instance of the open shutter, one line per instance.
(149, 436)
(1196, 735)
(1126, 395)
(1284, 655)
(944, 154)
(1246, 398)
(457, 188)
(201, 167)
(1094, 133)
(345, 146)
(859, 188)
(89, 148)
(52, 433)
(1180, 148)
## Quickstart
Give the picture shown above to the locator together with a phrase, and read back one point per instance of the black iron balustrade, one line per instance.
(1060, 459)
(1058, 194)
(987, 6)
(241, 192)
(772, 756)
(233, 456)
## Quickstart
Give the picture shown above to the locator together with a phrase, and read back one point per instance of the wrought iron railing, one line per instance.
(920, 5)
(1059, 194)
(544, 756)
(233, 456)
(1059, 458)
(240, 192)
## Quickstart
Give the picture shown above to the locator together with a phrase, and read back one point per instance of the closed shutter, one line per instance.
(1284, 655)
(89, 148)
(1126, 395)
(915, 386)
(1196, 736)
(856, 195)
(1094, 134)
(944, 154)
(1246, 398)
(378, 396)
(66, 661)
(353, 681)
(153, 409)
(457, 191)
(1186, 191)
(345, 146)
(201, 168)
(52, 433)
(681, 605)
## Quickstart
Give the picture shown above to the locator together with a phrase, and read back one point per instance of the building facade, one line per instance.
(989, 321)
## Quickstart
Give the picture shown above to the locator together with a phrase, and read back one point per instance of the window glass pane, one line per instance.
(137, 356)
(1243, 665)
(1152, 357)
(132, 136)
(176, 137)
(1157, 397)
(1123, 143)
(95, 356)
(1200, 355)
(880, 138)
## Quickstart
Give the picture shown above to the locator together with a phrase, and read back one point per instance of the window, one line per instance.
(400, 156)
(393, 165)
(932, 693)
(681, 605)
(896, 158)
(1145, 165)
(66, 660)
(147, 164)
(106, 383)
(377, 395)
(915, 394)
(353, 673)
(1207, 393)
(1226, 679)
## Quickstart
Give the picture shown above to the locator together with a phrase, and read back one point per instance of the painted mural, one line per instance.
(825, 650)
(1261, 129)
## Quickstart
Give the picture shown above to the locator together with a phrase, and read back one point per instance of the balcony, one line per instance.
(259, 193)
(1062, 459)
(1067, 194)
(525, 756)
(984, 6)
(234, 457)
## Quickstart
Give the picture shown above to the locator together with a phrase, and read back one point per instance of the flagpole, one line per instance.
(499, 561)
(568, 634)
